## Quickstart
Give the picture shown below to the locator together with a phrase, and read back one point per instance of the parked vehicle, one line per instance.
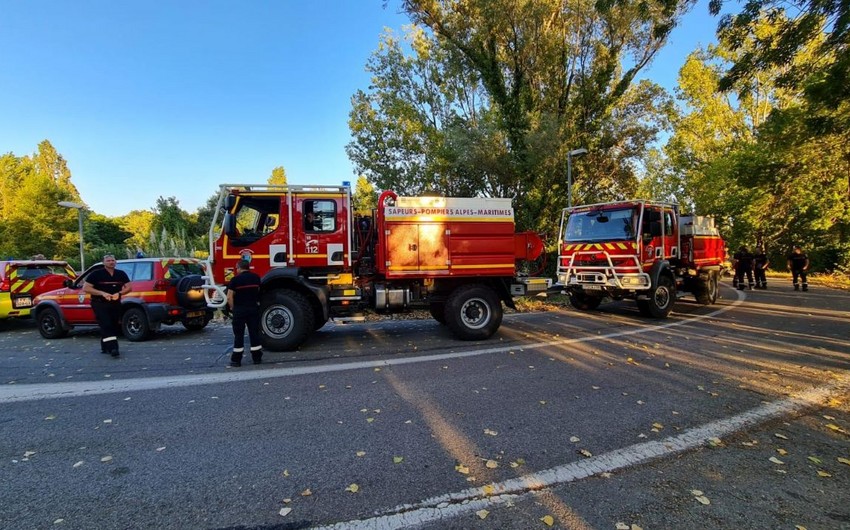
(22, 280)
(163, 291)
(457, 257)
(638, 249)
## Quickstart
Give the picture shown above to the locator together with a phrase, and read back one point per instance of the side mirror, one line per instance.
(230, 224)
(68, 282)
(229, 202)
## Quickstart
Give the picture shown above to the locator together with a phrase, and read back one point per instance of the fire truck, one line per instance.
(457, 257)
(637, 249)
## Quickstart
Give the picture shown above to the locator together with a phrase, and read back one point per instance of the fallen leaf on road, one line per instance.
(822, 473)
(697, 493)
(621, 526)
(703, 500)
(78, 464)
(398, 459)
(160, 449)
(491, 433)
(460, 468)
(844, 460)
(585, 452)
(353, 488)
(51, 417)
(782, 452)
(285, 473)
(360, 453)
(482, 514)
(284, 511)
(488, 489)
(28, 454)
(715, 442)
(815, 460)
(658, 426)
(836, 428)
(370, 420)
(306, 493)
(492, 464)
(799, 527)
(106, 459)
(548, 520)
(781, 436)
(776, 460)
(575, 439)
(59, 521)
(827, 417)
(595, 387)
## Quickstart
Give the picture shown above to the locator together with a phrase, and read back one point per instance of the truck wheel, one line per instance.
(135, 325)
(473, 312)
(706, 291)
(661, 298)
(584, 302)
(50, 325)
(438, 311)
(286, 320)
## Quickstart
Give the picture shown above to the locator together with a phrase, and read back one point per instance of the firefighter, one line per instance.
(798, 264)
(743, 266)
(761, 263)
(243, 299)
(106, 286)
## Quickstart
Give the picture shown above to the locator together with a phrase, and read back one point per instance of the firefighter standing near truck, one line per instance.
(106, 286)
(761, 263)
(243, 299)
(798, 263)
(743, 266)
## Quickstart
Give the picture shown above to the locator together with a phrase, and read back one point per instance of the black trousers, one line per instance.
(800, 275)
(250, 318)
(761, 277)
(739, 276)
(108, 315)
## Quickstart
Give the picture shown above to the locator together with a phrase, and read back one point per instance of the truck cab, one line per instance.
(636, 249)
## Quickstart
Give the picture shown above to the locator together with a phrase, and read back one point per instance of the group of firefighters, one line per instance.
(756, 263)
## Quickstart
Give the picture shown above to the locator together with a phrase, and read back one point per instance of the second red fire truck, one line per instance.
(638, 249)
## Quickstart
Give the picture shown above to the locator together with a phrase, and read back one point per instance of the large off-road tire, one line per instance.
(187, 296)
(196, 324)
(50, 325)
(473, 312)
(661, 298)
(584, 302)
(286, 320)
(135, 325)
(438, 311)
(706, 290)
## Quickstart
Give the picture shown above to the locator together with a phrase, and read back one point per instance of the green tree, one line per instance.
(278, 176)
(493, 93)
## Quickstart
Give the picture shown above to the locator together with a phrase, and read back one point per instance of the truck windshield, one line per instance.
(601, 225)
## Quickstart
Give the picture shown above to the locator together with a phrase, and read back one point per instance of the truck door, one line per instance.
(671, 233)
(320, 228)
(254, 228)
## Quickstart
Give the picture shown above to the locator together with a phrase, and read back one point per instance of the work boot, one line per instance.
(751, 287)
(236, 359)
(796, 287)
(805, 287)
(257, 356)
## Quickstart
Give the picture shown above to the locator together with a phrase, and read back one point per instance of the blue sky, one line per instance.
(154, 98)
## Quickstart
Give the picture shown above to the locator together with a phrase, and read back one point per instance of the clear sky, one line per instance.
(149, 98)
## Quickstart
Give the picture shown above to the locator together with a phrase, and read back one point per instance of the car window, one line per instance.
(179, 270)
(137, 270)
(32, 273)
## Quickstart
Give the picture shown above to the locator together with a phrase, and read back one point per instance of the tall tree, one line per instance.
(495, 92)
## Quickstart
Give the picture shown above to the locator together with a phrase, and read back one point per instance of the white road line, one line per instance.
(32, 392)
(442, 507)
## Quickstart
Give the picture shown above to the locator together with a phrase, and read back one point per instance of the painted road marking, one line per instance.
(32, 392)
(449, 505)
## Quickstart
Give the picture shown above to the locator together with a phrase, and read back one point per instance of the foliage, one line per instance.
(750, 156)
(485, 97)
(278, 176)
(365, 198)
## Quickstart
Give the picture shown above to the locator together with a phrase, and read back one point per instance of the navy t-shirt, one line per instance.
(246, 290)
(108, 283)
(798, 261)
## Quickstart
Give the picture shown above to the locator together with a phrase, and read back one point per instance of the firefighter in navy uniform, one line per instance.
(743, 266)
(761, 263)
(243, 299)
(106, 286)
(798, 263)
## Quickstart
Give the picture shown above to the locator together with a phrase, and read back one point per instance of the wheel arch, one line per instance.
(50, 304)
(290, 278)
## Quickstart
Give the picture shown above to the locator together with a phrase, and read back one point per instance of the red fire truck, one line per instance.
(457, 257)
(638, 249)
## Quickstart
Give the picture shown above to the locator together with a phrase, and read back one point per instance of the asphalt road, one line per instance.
(729, 416)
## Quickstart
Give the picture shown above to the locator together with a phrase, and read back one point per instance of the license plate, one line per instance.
(592, 287)
(24, 301)
(193, 314)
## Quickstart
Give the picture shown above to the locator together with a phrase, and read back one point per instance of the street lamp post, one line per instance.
(79, 207)
(570, 154)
